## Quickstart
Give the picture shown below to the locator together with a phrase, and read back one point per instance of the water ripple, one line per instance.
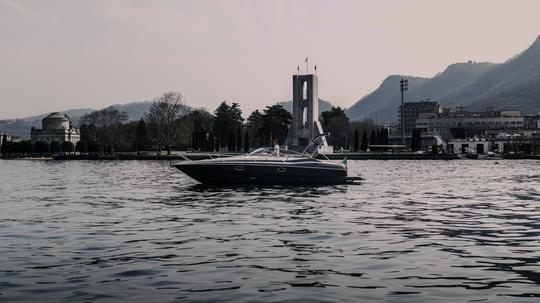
(413, 231)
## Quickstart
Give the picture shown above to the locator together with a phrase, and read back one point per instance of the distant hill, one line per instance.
(323, 105)
(21, 126)
(512, 85)
(381, 103)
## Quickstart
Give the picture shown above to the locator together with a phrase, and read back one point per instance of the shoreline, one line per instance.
(203, 156)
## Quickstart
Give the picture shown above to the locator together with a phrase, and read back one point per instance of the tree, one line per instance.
(41, 147)
(55, 147)
(141, 134)
(239, 139)
(336, 122)
(270, 125)
(104, 127)
(230, 141)
(93, 147)
(255, 125)
(416, 139)
(356, 140)
(198, 124)
(81, 147)
(163, 119)
(4, 145)
(373, 138)
(227, 120)
(246, 142)
(67, 147)
(384, 133)
(364, 145)
(27, 147)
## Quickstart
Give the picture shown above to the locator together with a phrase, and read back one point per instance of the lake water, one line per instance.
(128, 231)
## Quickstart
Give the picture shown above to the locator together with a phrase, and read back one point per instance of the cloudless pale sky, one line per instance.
(61, 54)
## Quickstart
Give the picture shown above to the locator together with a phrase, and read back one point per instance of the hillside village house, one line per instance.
(55, 128)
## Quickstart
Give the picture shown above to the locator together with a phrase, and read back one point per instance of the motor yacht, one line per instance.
(268, 165)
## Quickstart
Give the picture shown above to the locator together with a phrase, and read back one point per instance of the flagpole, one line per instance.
(307, 65)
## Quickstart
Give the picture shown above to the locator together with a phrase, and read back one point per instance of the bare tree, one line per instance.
(107, 123)
(162, 119)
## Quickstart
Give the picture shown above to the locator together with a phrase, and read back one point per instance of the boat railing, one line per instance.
(282, 154)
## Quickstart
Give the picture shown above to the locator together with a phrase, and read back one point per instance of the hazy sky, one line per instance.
(57, 55)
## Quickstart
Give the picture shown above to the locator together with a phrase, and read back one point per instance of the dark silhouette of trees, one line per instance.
(55, 147)
(364, 145)
(17, 149)
(163, 119)
(416, 140)
(382, 136)
(141, 136)
(373, 138)
(41, 147)
(27, 147)
(199, 123)
(238, 139)
(356, 141)
(336, 122)
(230, 141)
(255, 125)
(67, 147)
(4, 148)
(246, 142)
(270, 125)
(81, 147)
(227, 120)
(276, 121)
(103, 126)
(93, 147)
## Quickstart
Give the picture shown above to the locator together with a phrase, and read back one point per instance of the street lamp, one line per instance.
(403, 86)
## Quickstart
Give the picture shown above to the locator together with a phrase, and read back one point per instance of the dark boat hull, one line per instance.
(263, 174)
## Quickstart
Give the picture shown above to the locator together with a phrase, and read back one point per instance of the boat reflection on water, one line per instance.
(267, 166)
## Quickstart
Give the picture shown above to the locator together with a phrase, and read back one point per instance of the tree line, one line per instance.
(172, 125)
(345, 134)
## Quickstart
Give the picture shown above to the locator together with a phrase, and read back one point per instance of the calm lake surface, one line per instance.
(129, 231)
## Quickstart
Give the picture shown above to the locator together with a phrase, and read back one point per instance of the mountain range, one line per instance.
(21, 127)
(512, 85)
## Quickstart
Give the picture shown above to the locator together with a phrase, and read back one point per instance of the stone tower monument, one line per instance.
(305, 125)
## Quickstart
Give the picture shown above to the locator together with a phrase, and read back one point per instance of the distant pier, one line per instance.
(388, 156)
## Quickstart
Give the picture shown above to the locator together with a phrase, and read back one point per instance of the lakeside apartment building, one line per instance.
(412, 111)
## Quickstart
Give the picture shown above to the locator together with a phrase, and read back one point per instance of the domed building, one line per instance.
(55, 128)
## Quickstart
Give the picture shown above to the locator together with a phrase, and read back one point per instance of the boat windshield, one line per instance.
(278, 152)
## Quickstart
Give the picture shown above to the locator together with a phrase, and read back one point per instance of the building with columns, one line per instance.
(55, 128)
